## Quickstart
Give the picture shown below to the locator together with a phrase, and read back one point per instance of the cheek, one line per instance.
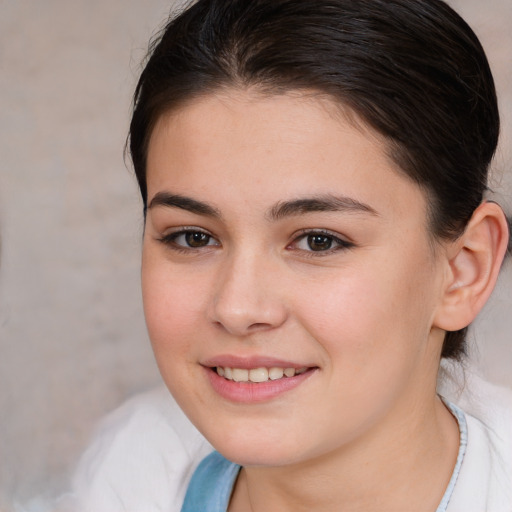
(172, 306)
(370, 314)
(373, 329)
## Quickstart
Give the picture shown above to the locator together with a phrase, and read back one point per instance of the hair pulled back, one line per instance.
(412, 70)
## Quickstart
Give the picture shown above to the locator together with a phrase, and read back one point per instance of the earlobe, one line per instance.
(474, 261)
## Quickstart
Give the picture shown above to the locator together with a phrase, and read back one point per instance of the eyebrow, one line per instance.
(282, 209)
(185, 203)
(325, 203)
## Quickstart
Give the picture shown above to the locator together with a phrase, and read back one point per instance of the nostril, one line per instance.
(260, 326)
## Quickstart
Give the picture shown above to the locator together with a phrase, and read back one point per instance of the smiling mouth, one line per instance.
(258, 375)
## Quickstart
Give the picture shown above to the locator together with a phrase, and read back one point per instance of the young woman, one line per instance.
(317, 239)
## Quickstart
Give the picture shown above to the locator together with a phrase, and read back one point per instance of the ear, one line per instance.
(473, 264)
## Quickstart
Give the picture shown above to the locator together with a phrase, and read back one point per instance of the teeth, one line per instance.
(257, 374)
(240, 375)
(275, 373)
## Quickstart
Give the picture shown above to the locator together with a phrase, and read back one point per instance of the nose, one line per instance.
(247, 296)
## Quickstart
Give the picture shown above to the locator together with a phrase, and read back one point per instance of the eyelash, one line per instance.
(170, 240)
(339, 244)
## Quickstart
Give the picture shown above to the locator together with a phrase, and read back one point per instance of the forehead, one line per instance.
(241, 144)
(291, 114)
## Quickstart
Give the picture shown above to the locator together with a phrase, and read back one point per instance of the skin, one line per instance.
(366, 428)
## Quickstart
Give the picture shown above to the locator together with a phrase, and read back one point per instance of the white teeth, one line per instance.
(275, 373)
(257, 374)
(240, 375)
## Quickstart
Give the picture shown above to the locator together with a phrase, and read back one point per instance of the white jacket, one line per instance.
(145, 452)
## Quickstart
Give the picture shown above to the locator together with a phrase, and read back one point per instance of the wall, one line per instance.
(72, 336)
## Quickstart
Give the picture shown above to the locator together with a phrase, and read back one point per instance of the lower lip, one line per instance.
(250, 392)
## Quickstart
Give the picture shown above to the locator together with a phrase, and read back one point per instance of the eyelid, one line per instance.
(322, 231)
(169, 238)
(342, 242)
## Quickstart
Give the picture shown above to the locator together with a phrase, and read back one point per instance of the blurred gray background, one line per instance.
(72, 336)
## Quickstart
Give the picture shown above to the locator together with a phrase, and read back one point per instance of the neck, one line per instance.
(402, 465)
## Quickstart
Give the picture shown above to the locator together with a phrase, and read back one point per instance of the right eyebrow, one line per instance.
(169, 200)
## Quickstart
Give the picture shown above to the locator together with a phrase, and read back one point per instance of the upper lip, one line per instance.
(232, 361)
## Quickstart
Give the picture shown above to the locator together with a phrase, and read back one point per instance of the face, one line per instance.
(290, 286)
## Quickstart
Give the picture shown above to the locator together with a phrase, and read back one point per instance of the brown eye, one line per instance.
(197, 239)
(318, 242)
(189, 239)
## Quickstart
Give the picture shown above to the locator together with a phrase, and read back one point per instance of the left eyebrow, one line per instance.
(325, 203)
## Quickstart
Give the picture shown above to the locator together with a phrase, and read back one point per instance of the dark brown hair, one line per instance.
(412, 70)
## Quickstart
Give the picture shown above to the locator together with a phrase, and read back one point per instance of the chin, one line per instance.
(257, 449)
(248, 456)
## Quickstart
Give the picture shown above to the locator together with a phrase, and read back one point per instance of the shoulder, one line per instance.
(485, 479)
(141, 458)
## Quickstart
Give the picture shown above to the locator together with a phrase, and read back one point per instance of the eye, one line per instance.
(320, 242)
(193, 239)
(189, 239)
